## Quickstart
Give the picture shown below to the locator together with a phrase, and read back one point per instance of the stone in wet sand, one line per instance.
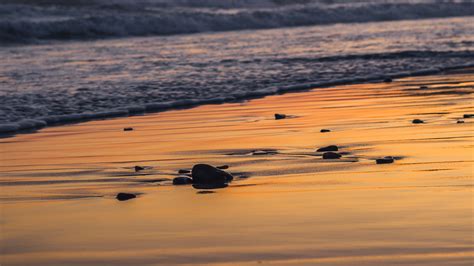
(128, 129)
(468, 115)
(331, 155)
(325, 130)
(280, 116)
(328, 148)
(460, 122)
(182, 180)
(423, 87)
(385, 160)
(138, 168)
(125, 196)
(417, 121)
(207, 177)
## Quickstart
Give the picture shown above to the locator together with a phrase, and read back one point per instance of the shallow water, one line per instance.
(289, 207)
(39, 81)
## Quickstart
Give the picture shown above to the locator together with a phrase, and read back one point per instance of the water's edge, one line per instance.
(33, 125)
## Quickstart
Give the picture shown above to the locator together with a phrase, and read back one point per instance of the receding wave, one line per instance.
(27, 23)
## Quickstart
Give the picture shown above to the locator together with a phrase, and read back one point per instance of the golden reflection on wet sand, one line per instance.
(289, 208)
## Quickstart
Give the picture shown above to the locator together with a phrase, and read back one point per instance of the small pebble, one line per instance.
(138, 168)
(325, 130)
(460, 122)
(182, 180)
(280, 116)
(423, 87)
(128, 129)
(468, 115)
(417, 121)
(385, 160)
(328, 148)
(125, 196)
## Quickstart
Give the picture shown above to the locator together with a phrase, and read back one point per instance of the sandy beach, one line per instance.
(286, 205)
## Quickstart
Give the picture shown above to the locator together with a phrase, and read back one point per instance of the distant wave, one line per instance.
(25, 23)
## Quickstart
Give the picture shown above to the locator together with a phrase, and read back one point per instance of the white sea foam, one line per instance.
(29, 124)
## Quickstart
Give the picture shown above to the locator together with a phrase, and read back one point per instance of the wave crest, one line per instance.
(31, 23)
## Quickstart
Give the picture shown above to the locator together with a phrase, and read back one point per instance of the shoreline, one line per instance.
(28, 126)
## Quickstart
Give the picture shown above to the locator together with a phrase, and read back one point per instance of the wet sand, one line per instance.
(288, 207)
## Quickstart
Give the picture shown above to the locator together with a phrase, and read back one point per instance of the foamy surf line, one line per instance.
(32, 125)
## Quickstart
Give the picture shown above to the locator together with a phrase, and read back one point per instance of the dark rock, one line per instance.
(182, 180)
(222, 167)
(331, 155)
(280, 116)
(385, 160)
(328, 148)
(468, 115)
(128, 129)
(325, 130)
(208, 176)
(387, 80)
(125, 196)
(184, 171)
(460, 122)
(417, 121)
(138, 168)
(423, 87)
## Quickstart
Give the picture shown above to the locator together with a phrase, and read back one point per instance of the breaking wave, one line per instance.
(29, 23)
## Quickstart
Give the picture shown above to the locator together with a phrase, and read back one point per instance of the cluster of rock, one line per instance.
(329, 152)
(205, 176)
(202, 176)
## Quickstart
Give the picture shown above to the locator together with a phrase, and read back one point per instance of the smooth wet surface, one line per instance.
(286, 205)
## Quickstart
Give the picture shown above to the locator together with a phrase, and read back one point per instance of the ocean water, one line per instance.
(74, 60)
